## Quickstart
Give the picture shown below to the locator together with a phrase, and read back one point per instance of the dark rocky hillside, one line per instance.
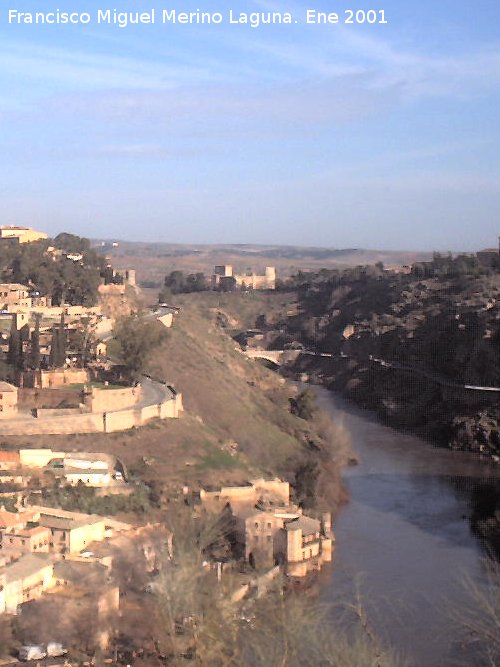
(405, 346)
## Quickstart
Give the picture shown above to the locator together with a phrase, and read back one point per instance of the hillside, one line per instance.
(243, 408)
(237, 422)
(405, 345)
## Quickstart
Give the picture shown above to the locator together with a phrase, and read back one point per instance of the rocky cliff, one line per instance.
(406, 347)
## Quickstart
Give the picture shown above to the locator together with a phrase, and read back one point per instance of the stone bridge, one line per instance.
(276, 357)
(279, 357)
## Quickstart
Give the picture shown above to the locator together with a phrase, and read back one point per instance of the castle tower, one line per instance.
(271, 277)
(130, 277)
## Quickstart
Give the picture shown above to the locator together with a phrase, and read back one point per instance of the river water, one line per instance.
(404, 538)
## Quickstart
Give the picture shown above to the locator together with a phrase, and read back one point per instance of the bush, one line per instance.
(304, 406)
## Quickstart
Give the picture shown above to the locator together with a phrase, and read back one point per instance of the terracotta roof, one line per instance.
(9, 457)
(5, 386)
(65, 523)
(9, 519)
(14, 287)
(26, 566)
(29, 532)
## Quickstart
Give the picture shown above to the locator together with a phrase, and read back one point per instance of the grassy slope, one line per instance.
(227, 397)
(236, 398)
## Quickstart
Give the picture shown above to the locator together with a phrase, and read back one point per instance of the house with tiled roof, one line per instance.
(270, 529)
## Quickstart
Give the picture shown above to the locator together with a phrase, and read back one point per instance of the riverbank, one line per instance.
(406, 539)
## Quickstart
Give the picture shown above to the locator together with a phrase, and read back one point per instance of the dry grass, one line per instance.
(227, 391)
(228, 399)
(154, 261)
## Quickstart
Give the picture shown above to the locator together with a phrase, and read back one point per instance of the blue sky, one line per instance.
(381, 136)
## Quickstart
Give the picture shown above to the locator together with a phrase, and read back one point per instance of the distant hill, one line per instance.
(153, 261)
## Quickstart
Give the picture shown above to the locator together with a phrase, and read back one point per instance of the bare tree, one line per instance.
(480, 619)
(199, 621)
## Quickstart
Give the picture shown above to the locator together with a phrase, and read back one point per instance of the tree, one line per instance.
(136, 340)
(273, 631)
(306, 477)
(304, 406)
(196, 282)
(480, 618)
(58, 345)
(175, 282)
(57, 276)
(15, 356)
(227, 284)
(34, 360)
(71, 243)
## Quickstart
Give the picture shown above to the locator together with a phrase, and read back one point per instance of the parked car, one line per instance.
(40, 651)
(32, 652)
(56, 649)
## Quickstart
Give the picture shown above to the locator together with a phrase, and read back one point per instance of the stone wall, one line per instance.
(58, 377)
(109, 400)
(48, 398)
(171, 409)
(121, 420)
(111, 289)
(38, 458)
(82, 423)
(103, 421)
(43, 413)
(250, 492)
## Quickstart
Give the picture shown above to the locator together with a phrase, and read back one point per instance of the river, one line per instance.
(405, 537)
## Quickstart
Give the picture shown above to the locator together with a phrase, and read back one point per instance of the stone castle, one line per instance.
(247, 280)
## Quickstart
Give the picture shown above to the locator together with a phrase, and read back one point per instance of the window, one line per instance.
(269, 525)
(256, 524)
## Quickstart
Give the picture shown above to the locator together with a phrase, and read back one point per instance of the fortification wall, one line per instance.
(109, 400)
(274, 487)
(48, 398)
(43, 413)
(171, 409)
(250, 492)
(111, 289)
(55, 378)
(99, 421)
(121, 421)
(64, 425)
(150, 412)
